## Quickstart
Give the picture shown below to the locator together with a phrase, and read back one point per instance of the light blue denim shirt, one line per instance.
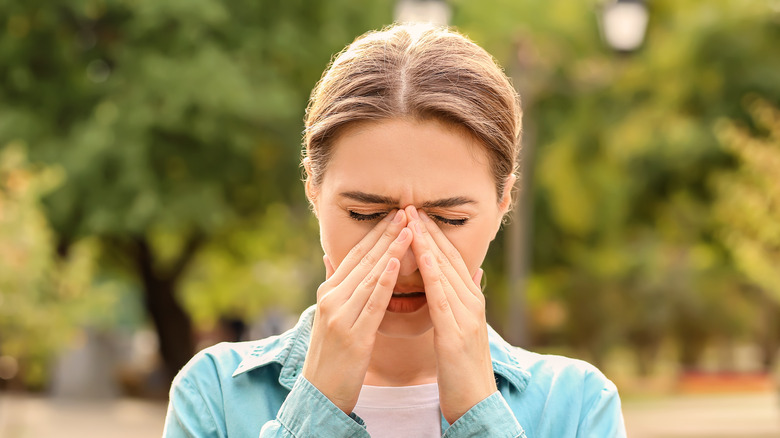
(252, 389)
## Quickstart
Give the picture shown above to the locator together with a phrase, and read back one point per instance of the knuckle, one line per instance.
(324, 303)
(370, 279)
(356, 250)
(443, 304)
(470, 326)
(323, 289)
(368, 259)
(388, 234)
(371, 306)
(396, 243)
(453, 254)
(434, 279)
(335, 325)
(386, 281)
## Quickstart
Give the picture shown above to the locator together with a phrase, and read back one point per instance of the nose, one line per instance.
(408, 263)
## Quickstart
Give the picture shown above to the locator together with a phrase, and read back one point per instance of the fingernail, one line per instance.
(392, 265)
(424, 217)
(417, 227)
(401, 237)
(414, 213)
(399, 215)
(478, 277)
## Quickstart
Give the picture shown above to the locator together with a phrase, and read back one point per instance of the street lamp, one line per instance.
(437, 12)
(623, 24)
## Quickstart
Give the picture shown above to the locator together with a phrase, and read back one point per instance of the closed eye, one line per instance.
(379, 215)
(444, 220)
(366, 217)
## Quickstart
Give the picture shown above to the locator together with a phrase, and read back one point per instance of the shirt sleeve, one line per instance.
(189, 415)
(491, 417)
(307, 412)
(604, 418)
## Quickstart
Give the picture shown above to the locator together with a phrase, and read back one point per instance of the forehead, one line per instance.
(409, 160)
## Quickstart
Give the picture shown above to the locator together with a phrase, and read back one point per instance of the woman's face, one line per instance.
(379, 166)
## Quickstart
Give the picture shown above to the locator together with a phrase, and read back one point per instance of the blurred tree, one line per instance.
(625, 147)
(748, 208)
(249, 269)
(177, 126)
(43, 300)
(174, 121)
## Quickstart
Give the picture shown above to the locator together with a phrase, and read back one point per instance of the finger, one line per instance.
(328, 266)
(367, 251)
(462, 295)
(375, 306)
(441, 280)
(361, 299)
(449, 251)
(439, 306)
(442, 274)
(374, 256)
(478, 277)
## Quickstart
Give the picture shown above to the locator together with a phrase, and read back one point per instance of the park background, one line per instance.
(151, 201)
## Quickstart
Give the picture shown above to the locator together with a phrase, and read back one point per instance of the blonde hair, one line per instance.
(421, 72)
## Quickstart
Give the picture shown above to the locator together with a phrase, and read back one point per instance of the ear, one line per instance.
(311, 190)
(506, 201)
(506, 197)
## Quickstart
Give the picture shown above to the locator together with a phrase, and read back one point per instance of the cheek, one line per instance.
(339, 236)
(472, 246)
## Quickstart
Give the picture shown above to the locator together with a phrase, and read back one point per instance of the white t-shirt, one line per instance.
(403, 411)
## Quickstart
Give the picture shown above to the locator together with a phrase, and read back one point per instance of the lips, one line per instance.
(407, 299)
(408, 294)
(401, 289)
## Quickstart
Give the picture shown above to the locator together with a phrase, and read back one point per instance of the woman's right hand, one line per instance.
(351, 304)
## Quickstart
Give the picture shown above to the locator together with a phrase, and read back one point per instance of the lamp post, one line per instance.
(623, 24)
(528, 75)
(437, 12)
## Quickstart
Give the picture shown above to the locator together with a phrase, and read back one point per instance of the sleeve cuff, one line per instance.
(491, 417)
(308, 412)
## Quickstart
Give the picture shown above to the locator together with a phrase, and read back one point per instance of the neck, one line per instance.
(402, 361)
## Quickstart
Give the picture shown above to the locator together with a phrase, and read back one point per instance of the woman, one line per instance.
(411, 142)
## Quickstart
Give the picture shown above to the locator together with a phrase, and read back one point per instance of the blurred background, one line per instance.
(151, 203)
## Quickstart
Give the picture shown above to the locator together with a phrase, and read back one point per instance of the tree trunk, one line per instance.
(173, 324)
(174, 327)
(769, 338)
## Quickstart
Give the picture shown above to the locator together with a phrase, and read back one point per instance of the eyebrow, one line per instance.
(371, 198)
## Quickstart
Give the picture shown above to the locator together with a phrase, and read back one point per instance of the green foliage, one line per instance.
(184, 115)
(44, 300)
(175, 126)
(624, 241)
(748, 206)
(248, 270)
(176, 123)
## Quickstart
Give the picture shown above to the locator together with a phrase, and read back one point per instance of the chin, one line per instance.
(406, 325)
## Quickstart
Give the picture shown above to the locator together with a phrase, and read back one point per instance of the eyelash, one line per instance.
(375, 216)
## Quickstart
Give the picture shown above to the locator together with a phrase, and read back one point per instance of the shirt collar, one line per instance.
(289, 350)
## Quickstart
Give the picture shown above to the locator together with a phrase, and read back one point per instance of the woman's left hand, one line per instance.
(457, 309)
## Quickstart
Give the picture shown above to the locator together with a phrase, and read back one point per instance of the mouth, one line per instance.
(408, 294)
(406, 301)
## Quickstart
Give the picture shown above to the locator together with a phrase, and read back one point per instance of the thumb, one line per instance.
(478, 277)
(328, 267)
